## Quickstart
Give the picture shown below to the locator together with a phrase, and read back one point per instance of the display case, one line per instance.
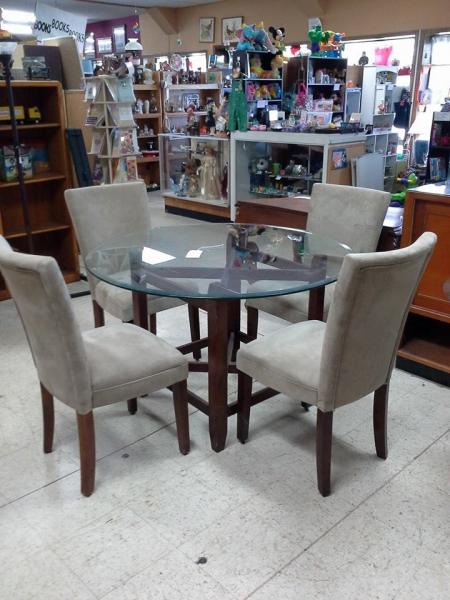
(148, 117)
(439, 149)
(178, 97)
(280, 164)
(195, 174)
(377, 99)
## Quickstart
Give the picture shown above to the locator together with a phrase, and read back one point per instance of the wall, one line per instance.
(104, 28)
(354, 17)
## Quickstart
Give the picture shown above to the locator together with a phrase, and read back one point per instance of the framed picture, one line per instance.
(104, 45)
(206, 29)
(119, 37)
(230, 27)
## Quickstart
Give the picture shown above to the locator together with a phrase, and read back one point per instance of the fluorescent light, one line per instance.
(18, 16)
(17, 28)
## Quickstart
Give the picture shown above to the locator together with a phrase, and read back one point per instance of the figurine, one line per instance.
(316, 37)
(250, 91)
(256, 69)
(209, 180)
(224, 182)
(237, 104)
(146, 106)
(363, 60)
(211, 110)
(191, 173)
(139, 106)
(276, 36)
(153, 105)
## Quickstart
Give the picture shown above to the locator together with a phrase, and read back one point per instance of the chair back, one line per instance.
(351, 215)
(43, 302)
(366, 319)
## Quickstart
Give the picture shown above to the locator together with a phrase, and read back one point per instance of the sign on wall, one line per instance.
(52, 22)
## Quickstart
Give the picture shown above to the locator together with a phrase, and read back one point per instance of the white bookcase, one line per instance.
(377, 98)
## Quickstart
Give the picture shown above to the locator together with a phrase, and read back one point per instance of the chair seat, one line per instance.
(287, 360)
(291, 307)
(126, 361)
(119, 303)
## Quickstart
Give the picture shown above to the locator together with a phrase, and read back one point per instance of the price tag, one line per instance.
(336, 87)
(261, 104)
(194, 253)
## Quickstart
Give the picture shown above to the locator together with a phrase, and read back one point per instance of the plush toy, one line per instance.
(264, 92)
(316, 36)
(325, 45)
(338, 46)
(262, 39)
(246, 36)
(256, 69)
(274, 91)
(276, 63)
(251, 91)
(276, 36)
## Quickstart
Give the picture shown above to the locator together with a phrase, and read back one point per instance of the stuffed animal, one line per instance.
(264, 92)
(262, 39)
(256, 69)
(246, 36)
(251, 91)
(276, 36)
(276, 63)
(337, 44)
(316, 37)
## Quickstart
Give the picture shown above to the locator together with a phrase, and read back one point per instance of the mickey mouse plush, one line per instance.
(277, 35)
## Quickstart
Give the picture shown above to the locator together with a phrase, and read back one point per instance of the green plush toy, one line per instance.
(316, 36)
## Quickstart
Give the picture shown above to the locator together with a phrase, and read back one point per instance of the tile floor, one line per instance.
(253, 512)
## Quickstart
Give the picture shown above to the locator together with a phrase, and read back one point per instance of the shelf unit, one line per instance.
(112, 166)
(378, 90)
(51, 226)
(176, 151)
(149, 127)
(439, 149)
(386, 145)
(176, 100)
(425, 347)
(316, 153)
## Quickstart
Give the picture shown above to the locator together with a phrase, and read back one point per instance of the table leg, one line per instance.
(140, 309)
(234, 325)
(218, 372)
(316, 300)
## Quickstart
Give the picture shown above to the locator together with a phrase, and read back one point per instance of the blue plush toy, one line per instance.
(246, 37)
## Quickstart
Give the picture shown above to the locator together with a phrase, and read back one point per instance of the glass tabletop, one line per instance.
(218, 260)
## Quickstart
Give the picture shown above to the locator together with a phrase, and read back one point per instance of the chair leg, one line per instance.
(244, 405)
(180, 402)
(86, 437)
(380, 412)
(252, 323)
(99, 314)
(194, 323)
(153, 323)
(324, 433)
(132, 406)
(48, 413)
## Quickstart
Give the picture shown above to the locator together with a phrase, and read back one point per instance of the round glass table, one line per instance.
(213, 267)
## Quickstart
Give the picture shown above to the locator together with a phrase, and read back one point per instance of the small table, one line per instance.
(214, 267)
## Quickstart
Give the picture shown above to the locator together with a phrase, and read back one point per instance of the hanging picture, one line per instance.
(206, 26)
(230, 27)
(339, 159)
(119, 37)
(104, 45)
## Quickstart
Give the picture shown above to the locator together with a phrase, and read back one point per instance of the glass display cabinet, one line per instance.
(195, 174)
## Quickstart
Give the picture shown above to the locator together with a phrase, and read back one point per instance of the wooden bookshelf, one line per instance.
(52, 230)
(148, 165)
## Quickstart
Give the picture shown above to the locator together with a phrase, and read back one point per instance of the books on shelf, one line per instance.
(124, 141)
(125, 169)
(125, 91)
(98, 142)
(90, 93)
(121, 115)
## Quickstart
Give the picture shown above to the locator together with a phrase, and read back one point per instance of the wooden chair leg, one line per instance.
(380, 412)
(48, 413)
(324, 434)
(252, 323)
(99, 314)
(244, 405)
(180, 401)
(194, 323)
(86, 437)
(132, 406)
(153, 323)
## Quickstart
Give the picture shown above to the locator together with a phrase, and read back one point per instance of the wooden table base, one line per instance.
(224, 338)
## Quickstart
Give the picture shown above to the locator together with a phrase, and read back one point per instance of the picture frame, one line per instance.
(119, 34)
(104, 45)
(230, 27)
(206, 29)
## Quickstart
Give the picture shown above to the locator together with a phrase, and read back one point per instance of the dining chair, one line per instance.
(102, 213)
(90, 369)
(333, 364)
(351, 215)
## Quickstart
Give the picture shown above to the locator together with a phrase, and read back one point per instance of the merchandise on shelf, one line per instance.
(254, 37)
(277, 35)
(8, 167)
(326, 43)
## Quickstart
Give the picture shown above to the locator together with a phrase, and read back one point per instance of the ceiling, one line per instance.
(97, 10)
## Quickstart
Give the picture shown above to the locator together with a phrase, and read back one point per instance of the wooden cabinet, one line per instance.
(50, 222)
(149, 126)
(427, 332)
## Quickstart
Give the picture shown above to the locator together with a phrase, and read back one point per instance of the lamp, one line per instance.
(8, 44)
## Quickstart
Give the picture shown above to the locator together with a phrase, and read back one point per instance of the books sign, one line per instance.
(52, 22)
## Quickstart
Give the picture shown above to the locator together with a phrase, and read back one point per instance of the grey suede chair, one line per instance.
(332, 364)
(100, 213)
(351, 215)
(90, 369)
